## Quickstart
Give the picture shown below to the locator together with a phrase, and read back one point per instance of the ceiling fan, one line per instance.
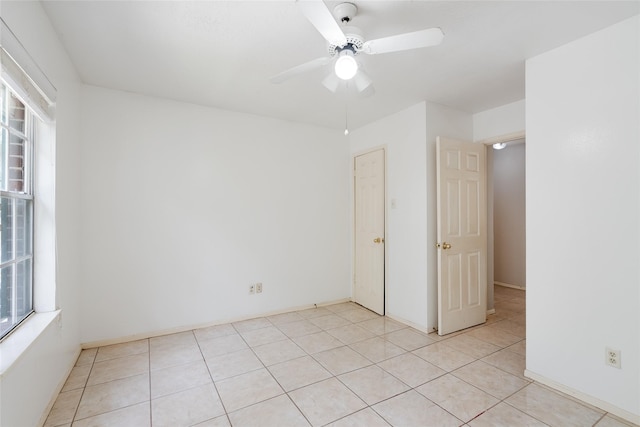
(346, 42)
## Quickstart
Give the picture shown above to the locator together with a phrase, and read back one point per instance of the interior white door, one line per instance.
(369, 230)
(462, 235)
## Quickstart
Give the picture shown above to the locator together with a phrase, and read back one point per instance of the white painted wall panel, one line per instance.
(503, 120)
(30, 384)
(583, 215)
(403, 135)
(185, 206)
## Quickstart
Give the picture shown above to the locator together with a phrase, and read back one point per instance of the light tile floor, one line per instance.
(339, 365)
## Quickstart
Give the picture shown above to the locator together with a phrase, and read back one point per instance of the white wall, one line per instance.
(409, 137)
(503, 120)
(28, 386)
(583, 216)
(403, 135)
(509, 215)
(185, 206)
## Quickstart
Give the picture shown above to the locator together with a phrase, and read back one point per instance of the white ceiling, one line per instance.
(222, 53)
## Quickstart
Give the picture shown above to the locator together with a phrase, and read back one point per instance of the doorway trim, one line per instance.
(509, 137)
(352, 172)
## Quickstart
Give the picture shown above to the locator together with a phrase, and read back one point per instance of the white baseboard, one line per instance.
(409, 323)
(490, 312)
(509, 285)
(594, 401)
(176, 330)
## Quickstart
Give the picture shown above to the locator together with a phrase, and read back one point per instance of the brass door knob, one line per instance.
(378, 240)
(446, 246)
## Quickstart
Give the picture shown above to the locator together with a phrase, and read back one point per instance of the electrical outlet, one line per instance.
(252, 289)
(613, 358)
(258, 288)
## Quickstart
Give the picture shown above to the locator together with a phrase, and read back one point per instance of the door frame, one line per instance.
(352, 173)
(488, 142)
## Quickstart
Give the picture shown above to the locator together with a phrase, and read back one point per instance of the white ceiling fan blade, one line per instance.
(299, 69)
(362, 83)
(362, 80)
(331, 82)
(417, 39)
(320, 17)
(367, 92)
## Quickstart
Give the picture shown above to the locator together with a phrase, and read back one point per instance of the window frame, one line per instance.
(28, 136)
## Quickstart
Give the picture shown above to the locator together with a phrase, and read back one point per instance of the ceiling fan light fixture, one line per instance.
(346, 66)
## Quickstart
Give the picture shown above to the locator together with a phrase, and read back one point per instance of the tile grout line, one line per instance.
(204, 359)
(373, 363)
(84, 388)
(106, 382)
(286, 393)
(150, 395)
(518, 409)
(334, 376)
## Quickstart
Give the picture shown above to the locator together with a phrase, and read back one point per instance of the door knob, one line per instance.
(378, 240)
(446, 246)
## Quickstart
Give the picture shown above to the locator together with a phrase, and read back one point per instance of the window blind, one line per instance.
(26, 78)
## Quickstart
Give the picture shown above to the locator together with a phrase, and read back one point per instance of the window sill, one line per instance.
(17, 343)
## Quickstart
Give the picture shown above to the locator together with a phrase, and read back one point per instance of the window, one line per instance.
(16, 210)
(27, 195)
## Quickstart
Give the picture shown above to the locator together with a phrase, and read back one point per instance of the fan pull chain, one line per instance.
(346, 121)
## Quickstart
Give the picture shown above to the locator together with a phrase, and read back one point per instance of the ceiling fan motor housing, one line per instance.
(355, 40)
(344, 13)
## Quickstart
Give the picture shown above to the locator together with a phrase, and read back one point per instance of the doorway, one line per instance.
(506, 215)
